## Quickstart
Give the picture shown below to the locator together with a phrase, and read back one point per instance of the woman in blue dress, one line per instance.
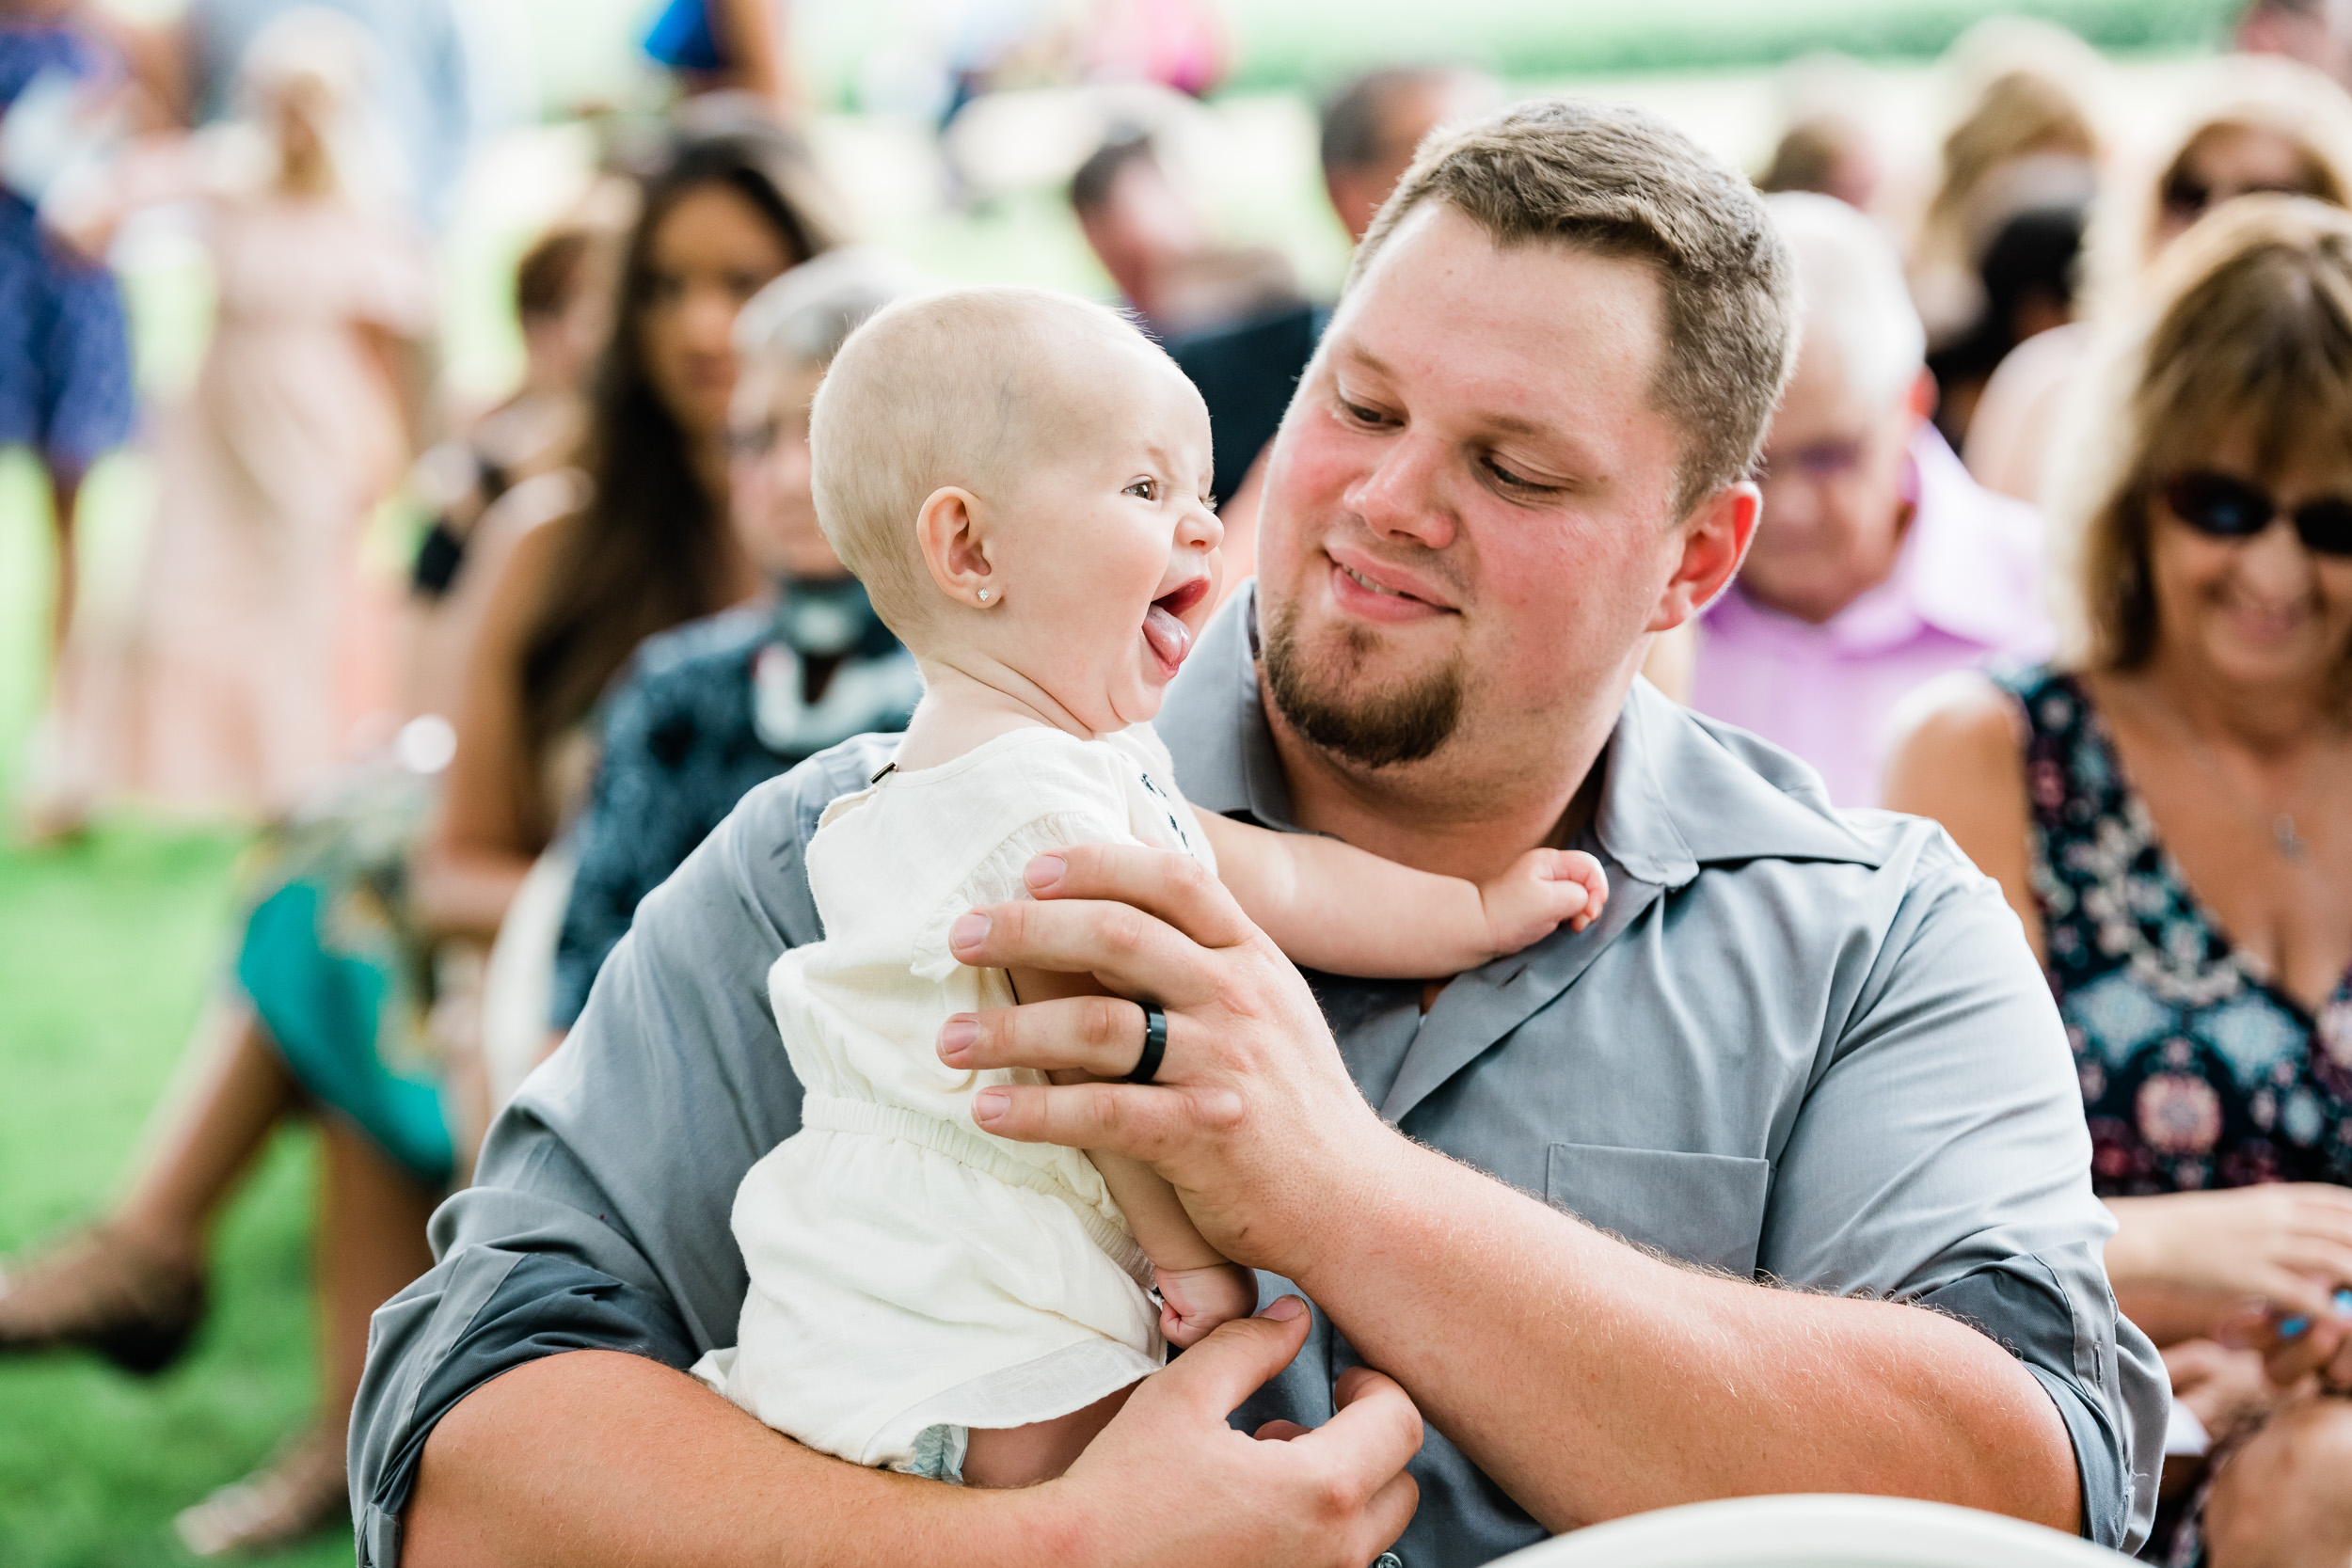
(65, 348)
(2170, 815)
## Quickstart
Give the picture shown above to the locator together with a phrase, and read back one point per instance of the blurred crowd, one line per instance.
(619, 614)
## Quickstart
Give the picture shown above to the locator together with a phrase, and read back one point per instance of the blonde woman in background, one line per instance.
(2261, 124)
(2028, 139)
(2170, 812)
(234, 688)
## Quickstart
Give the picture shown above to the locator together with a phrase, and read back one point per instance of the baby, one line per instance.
(1020, 478)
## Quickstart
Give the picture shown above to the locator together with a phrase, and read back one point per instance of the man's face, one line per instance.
(1467, 522)
(1835, 463)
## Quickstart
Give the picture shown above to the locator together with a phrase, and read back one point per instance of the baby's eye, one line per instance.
(1143, 489)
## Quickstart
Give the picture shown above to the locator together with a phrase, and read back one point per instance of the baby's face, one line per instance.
(1107, 549)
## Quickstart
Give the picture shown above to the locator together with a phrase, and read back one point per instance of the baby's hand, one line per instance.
(1543, 888)
(1194, 1301)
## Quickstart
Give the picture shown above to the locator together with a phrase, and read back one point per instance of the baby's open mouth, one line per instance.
(1162, 624)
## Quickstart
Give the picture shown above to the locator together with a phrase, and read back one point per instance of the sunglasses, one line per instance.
(2220, 507)
(2186, 197)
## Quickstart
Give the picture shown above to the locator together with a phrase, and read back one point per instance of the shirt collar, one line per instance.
(1677, 793)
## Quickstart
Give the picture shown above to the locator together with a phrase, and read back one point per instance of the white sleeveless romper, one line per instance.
(912, 1277)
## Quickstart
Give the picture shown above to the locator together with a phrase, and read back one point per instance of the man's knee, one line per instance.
(2283, 1500)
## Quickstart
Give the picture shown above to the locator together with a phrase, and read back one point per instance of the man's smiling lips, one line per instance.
(1377, 592)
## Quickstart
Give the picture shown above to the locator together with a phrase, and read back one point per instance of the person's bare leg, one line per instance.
(371, 1244)
(132, 1288)
(239, 1090)
(65, 491)
(1025, 1456)
(2284, 1500)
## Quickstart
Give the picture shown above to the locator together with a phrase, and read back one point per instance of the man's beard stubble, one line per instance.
(1379, 729)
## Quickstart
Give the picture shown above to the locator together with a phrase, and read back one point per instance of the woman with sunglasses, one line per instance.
(2170, 812)
(2262, 124)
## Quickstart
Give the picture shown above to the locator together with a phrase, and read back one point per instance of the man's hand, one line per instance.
(593, 1458)
(1337, 1495)
(1252, 1115)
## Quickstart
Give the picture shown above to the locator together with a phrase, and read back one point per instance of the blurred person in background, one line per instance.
(729, 46)
(425, 71)
(563, 300)
(2257, 124)
(366, 908)
(2028, 141)
(66, 386)
(2316, 32)
(1153, 240)
(1878, 564)
(1826, 153)
(1247, 371)
(234, 688)
(2168, 809)
(718, 706)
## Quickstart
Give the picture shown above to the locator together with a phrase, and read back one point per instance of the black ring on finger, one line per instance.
(1155, 1044)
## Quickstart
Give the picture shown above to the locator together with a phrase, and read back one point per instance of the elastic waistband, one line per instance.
(832, 1114)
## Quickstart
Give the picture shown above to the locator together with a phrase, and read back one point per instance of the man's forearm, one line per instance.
(595, 1457)
(1591, 1381)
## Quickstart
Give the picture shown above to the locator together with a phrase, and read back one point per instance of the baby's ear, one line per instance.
(951, 529)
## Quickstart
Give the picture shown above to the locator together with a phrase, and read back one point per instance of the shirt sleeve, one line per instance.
(1971, 1195)
(598, 1214)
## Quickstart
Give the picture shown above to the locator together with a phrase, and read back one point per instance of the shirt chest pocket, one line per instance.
(1704, 1208)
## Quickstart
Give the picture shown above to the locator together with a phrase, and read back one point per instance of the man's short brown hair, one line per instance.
(1615, 182)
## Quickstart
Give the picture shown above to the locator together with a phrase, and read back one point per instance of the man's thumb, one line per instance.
(1237, 1357)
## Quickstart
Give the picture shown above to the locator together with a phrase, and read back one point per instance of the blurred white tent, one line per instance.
(1827, 1531)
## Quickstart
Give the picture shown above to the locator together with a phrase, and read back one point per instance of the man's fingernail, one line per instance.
(989, 1104)
(957, 1038)
(970, 931)
(2294, 1328)
(1285, 1309)
(1043, 872)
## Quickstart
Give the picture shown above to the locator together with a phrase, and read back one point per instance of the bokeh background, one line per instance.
(108, 942)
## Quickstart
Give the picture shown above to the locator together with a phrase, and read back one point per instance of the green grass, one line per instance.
(105, 951)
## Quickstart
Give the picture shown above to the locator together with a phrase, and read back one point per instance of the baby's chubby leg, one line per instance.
(1025, 1455)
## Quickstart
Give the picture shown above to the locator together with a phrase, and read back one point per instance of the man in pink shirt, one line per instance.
(1878, 563)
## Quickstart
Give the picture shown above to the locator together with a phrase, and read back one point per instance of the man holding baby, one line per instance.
(1544, 1208)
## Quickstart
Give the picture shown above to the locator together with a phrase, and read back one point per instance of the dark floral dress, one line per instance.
(2196, 1071)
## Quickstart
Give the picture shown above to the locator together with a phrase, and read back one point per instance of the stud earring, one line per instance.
(983, 596)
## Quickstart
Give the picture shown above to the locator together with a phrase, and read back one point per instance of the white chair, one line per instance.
(1826, 1532)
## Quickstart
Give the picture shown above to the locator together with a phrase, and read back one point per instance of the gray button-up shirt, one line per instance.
(1800, 1045)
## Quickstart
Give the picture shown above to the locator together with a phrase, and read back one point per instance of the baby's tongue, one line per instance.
(1170, 638)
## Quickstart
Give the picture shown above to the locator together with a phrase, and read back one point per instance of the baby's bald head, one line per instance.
(972, 388)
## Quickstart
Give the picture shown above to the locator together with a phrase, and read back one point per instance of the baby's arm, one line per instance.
(1199, 1289)
(1336, 908)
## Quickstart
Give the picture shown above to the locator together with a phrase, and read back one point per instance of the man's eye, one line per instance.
(1511, 480)
(1362, 414)
(1143, 489)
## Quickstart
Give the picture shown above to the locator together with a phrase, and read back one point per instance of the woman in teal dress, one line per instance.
(2170, 812)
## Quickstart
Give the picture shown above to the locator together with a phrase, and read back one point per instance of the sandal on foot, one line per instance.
(101, 1291)
(300, 1491)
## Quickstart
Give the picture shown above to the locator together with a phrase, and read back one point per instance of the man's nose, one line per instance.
(1407, 496)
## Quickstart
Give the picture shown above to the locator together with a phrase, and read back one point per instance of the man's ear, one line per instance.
(951, 526)
(1714, 539)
